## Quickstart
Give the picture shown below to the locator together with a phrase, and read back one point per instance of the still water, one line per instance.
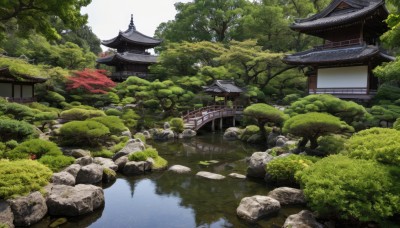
(166, 199)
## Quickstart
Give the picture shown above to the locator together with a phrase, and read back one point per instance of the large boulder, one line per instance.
(303, 219)
(135, 168)
(106, 163)
(73, 201)
(127, 133)
(146, 134)
(29, 209)
(188, 133)
(286, 195)
(211, 176)
(255, 207)
(179, 169)
(167, 125)
(76, 153)
(90, 174)
(164, 134)
(256, 164)
(281, 141)
(272, 137)
(84, 161)
(232, 133)
(64, 178)
(73, 169)
(121, 162)
(133, 145)
(6, 215)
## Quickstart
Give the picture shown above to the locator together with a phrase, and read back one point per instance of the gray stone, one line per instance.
(90, 174)
(127, 133)
(237, 176)
(109, 175)
(146, 134)
(56, 126)
(133, 145)
(280, 142)
(256, 138)
(73, 201)
(106, 163)
(256, 207)
(167, 125)
(188, 133)
(232, 133)
(76, 153)
(135, 168)
(73, 169)
(286, 195)
(179, 169)
(208, 175)
(272, 137)
(256, 164)
(84, 161)
(64, 178)
(164, 134)
(28, 210)
(120, 162)
(303, 219)
(6, 215)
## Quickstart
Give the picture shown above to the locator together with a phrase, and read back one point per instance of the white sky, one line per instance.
(107, 17)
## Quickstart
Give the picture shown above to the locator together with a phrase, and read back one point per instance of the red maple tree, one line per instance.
(90, 80)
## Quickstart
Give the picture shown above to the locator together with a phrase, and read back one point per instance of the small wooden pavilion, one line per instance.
(343, 64)
(18, 87)
(132, 58)
(224, 88)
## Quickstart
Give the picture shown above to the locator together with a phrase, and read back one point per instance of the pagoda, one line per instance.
(343, 65)
(132, 58)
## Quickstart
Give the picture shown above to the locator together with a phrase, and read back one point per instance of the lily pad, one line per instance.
(210, 162)
(58, 222)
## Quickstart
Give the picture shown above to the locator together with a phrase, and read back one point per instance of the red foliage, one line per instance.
(90, 80)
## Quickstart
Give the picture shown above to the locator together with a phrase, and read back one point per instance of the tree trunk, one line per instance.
(314, 143)
(302, 144)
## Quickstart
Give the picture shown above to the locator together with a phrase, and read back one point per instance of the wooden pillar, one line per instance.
(221, 123)
(213, 125)
(234, 120)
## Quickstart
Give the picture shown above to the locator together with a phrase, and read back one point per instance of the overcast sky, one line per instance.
(107, 17)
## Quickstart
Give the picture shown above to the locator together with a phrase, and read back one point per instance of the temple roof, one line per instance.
(223, 86)
(127, 57)
(340, 12)
(349, 54)
(131, 36)
(6, 75)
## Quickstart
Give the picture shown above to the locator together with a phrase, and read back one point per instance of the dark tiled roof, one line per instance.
(128, 57)
(328, 17)
(223, 86)
(6, 75)
(133, 37)
(348, 54)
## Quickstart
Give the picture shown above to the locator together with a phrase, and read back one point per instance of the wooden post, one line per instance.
(234, 120)
(220, 123)
(213, 125)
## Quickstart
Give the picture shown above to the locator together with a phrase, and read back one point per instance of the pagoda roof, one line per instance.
(349, 54)
(127, 57)
(8, 76)
(223, 86)
(340, 12)
(131, 36)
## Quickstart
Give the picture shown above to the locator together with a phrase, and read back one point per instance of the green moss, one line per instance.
(56, 163)
(140, 136)
(138, 156)
(109, 172)
(160, 163)
(21, 177)
(102, 153)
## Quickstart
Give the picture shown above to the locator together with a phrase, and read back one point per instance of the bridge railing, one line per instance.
(199, 112)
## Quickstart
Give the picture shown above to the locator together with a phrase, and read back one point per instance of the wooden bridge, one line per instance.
(198, 118)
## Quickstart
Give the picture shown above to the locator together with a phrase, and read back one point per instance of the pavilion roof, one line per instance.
(127, 57)
(349, 54)
(7, 75)
(223, 86)
(131, 36)
(340, 12)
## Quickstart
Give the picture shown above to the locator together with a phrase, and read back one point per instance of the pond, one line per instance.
(166, 199)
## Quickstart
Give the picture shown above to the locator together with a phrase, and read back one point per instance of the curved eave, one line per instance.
(132, 37)
(346, 55)
(127, 58)
(315, 23)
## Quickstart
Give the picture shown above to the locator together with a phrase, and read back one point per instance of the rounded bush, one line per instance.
(83, 133)
(284, 169)
(14, 129)
(350, 188)
(113, 112)
(249, 131)
(21, 177)
(80, 114)
(34, 149)
(330, 144)
(113, 123)
(16, 111)
(396, 124)
(380, 144)
(56, 163)
(177, 124)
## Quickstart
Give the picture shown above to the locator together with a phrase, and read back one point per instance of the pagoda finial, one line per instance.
(132, 25)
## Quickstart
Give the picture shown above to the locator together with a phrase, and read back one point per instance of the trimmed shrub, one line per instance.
(130, 118)
(264, 114)
(284, 169)
(396, 124)
(103, 153)
(288, 99)
(11, 144)
(330, 144)
(380, 144)
(113, 123)
(80, 114)
(113, 112)
(177, 125)
(18, 178)
(350, 188)
(249, 131)
(56, 163)
(14, 129)
(83, 133)
(34, 148)
(16, 111)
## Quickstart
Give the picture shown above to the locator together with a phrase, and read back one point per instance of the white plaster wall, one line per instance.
(5, 90)
(343, 77)
(26, 91)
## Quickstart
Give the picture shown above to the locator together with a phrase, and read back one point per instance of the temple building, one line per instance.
(224, 88)
(343, 65)
(132, 58)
